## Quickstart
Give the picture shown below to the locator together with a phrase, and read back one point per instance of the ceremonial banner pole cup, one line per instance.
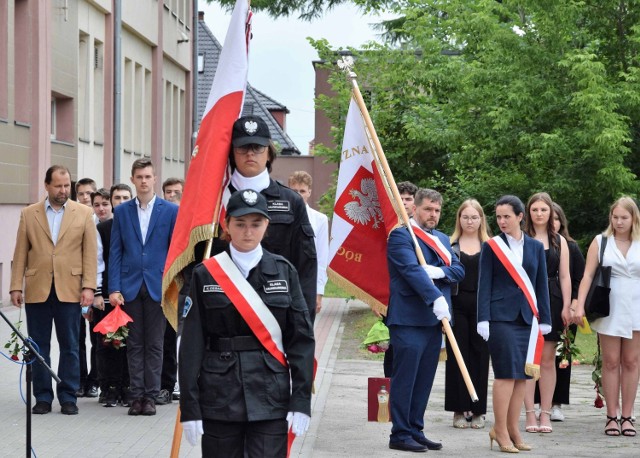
(385, 171)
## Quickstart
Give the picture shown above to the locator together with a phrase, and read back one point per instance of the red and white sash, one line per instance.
(248, 303)
(519, 275)
(433, 242)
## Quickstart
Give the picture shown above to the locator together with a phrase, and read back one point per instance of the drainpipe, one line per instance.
(117, 91)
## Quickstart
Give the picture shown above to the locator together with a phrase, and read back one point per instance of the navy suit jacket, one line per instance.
(131, 261)
(500, 298)
(412, 292)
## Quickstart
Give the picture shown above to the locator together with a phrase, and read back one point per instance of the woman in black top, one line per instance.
(466, 241)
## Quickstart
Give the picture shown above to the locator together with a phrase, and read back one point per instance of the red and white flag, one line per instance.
(202, 204)
(362, 220)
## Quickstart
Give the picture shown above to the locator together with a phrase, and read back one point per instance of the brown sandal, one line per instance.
(612, 431)
(629, 432)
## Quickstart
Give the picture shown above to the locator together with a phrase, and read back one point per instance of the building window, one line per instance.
(62, 125)
(200, 62)
(98, 92)
(85, 70)
(22, 38)
(53, 118)
(4, 56)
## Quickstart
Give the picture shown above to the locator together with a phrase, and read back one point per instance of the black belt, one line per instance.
(238, 343)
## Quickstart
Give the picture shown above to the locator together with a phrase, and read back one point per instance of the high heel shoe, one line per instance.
(532, 428)
(522, 446)
(503, 448)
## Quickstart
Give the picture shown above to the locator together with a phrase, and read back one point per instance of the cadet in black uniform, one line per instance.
(233, 389)
(290, 233)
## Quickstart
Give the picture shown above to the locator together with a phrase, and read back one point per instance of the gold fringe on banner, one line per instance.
(172, 280)
(357, 292)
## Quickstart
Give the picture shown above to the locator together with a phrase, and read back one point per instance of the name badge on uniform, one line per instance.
(212, 289)
(278, 205)
(276, 286)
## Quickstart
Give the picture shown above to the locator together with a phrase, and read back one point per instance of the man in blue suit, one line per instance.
(420, 297)
(140, 239)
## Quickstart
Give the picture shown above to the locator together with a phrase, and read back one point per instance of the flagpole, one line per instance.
(381, 162)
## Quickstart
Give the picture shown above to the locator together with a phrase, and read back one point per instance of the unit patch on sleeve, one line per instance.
(276, 286)
(187, 306)
(278, 205)
(212, 289)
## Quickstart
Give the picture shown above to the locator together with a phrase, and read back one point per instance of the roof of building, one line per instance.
(256, 102)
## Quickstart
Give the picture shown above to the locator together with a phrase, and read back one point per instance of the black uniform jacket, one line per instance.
(289, 234)
(249, 385)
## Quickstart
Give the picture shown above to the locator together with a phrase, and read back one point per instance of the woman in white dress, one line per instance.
(620, 331)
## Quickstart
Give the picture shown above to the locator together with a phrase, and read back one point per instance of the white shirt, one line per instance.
(100, 262)
(517, 246)
(144, 216)
(320, 224)
(54, 217)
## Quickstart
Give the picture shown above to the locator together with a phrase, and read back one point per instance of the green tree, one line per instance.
(483, 98)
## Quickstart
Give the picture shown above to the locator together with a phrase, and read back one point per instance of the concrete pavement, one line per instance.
(338, 427)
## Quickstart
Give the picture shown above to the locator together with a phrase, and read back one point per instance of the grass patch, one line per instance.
(332, 290)
(588, 345)
(357, 323)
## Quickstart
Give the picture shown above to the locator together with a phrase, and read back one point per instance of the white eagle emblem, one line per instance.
(250, 197)
(368, 208)
(250, 127)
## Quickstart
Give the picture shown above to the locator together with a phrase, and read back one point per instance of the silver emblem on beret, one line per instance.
(250, 197)
(250, 127)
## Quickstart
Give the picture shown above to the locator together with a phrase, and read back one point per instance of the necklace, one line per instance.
(624, 241)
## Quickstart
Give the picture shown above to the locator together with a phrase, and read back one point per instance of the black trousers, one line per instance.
(112, 363)
(88, 378)
(144, 345)
(251, 439)
(169, 373)
(475, 352)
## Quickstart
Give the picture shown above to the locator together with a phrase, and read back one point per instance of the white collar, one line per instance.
(246, 260)
(257, 183)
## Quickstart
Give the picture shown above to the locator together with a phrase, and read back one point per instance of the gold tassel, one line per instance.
(443, 355)
(532, 370)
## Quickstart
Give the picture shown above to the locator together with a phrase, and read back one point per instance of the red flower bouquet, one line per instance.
(114, 327)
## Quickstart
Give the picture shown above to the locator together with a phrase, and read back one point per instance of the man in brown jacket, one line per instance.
(56, 256)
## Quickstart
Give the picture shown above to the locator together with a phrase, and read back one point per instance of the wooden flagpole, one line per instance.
(385, 172)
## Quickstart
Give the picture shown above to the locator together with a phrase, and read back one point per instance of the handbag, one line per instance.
(597, 303)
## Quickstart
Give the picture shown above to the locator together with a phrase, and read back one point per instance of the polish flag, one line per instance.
(363, 218)
(202, 204)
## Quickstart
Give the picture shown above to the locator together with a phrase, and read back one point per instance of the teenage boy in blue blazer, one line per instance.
(140, 238)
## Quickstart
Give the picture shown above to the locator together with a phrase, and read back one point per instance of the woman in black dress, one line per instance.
(576, 270)
(466, 242)
(539, 225)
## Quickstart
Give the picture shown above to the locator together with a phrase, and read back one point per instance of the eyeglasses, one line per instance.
(470, 218)
(252, 148)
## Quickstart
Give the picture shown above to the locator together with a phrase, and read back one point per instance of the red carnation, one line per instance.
(15, 357)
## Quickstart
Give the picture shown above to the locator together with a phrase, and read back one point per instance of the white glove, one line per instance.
(433, 272)
(545, 329)
(192, 431)
(483, 330)
(299, 422)
(441, 309)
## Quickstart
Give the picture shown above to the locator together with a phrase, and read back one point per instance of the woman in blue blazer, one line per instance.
(510, 264)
